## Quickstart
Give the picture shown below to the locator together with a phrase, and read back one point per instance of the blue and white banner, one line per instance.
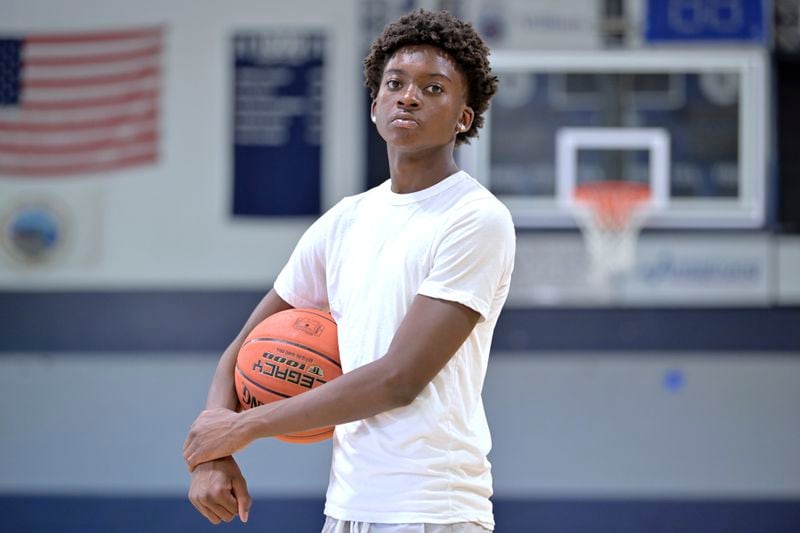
(706, 20)
(277, 123)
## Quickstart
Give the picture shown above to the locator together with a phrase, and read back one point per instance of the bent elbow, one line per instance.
(405, 397)
(401, 390)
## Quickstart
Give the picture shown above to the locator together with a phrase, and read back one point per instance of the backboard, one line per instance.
(708, 106)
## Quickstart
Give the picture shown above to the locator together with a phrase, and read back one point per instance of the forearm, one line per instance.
(427, 338)
(358, 394)
(430, 334)
(222, 392)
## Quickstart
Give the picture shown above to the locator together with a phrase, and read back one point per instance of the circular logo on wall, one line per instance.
(34, 233)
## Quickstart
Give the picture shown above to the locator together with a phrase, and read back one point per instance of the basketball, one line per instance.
(285, 355)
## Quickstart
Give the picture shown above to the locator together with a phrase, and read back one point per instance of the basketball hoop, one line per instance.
(610, 215)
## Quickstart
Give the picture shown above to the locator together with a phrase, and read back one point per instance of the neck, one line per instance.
(412, 172)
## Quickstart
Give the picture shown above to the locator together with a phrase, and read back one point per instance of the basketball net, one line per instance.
(611, 217)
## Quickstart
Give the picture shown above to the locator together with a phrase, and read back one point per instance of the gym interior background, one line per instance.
(152, 186)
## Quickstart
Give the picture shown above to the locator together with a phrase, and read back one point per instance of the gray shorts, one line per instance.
(333, 525)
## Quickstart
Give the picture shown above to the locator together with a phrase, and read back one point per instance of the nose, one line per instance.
(409, 97)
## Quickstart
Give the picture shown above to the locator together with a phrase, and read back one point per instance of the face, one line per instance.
(421, 103)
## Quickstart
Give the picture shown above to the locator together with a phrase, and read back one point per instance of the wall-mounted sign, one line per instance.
(706, 20)
(277, 122)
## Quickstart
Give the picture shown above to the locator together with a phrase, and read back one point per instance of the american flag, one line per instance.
(76, 103)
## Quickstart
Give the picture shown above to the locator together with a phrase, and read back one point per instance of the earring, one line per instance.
(461, 127)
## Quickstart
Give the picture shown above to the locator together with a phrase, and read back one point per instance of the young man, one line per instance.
(415, 272)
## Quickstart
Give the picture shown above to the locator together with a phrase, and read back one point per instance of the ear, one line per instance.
(465, 119)
(372, 107)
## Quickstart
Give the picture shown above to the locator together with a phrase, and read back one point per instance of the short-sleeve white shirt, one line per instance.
(366, 259)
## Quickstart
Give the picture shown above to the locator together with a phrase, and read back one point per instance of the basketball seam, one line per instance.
(292, 437)
(321, 315)
(259, 385)
(297, 345)
(289, 437)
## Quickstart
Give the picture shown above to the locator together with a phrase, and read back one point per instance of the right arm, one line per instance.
(218, 489)
(222, 392)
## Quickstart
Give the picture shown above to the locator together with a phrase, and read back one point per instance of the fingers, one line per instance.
(195, 453)
(213, 498)
(193, 457)
(191, 462)
(205, 511)
(242, 495)
(190, 452)
(216, 507)
(214, 434)
(187, 451)
(189, 437)
(223, 512)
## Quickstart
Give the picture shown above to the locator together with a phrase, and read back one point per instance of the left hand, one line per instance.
(215, 433)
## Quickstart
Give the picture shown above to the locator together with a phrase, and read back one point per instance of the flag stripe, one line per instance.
(54, 105)
(32, 73)
(78, 124)
(103, 154)
(48, 83)
(36, 50)
(58, 138)
(98, 166)
(72, 115)
(102, 91)
(68, 38)
(74, 148)
(56, 61)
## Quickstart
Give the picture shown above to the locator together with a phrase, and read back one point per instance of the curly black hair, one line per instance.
(457, 38)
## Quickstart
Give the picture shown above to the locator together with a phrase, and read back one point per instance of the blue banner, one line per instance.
(706, 20)
(277, 123)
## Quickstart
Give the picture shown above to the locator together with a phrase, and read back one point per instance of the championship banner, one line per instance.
(277, 122)
(77, 103)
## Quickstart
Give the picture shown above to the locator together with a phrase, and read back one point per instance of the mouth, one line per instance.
(404, 120)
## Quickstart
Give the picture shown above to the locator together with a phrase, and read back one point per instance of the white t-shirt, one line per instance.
(366, 259)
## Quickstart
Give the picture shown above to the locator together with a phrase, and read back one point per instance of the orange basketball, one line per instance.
(287, 354)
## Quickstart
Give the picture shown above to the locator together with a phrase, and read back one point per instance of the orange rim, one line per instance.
(612, 202)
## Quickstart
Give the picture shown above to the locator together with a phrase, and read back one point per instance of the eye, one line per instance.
(392, 84)
(435, 89)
